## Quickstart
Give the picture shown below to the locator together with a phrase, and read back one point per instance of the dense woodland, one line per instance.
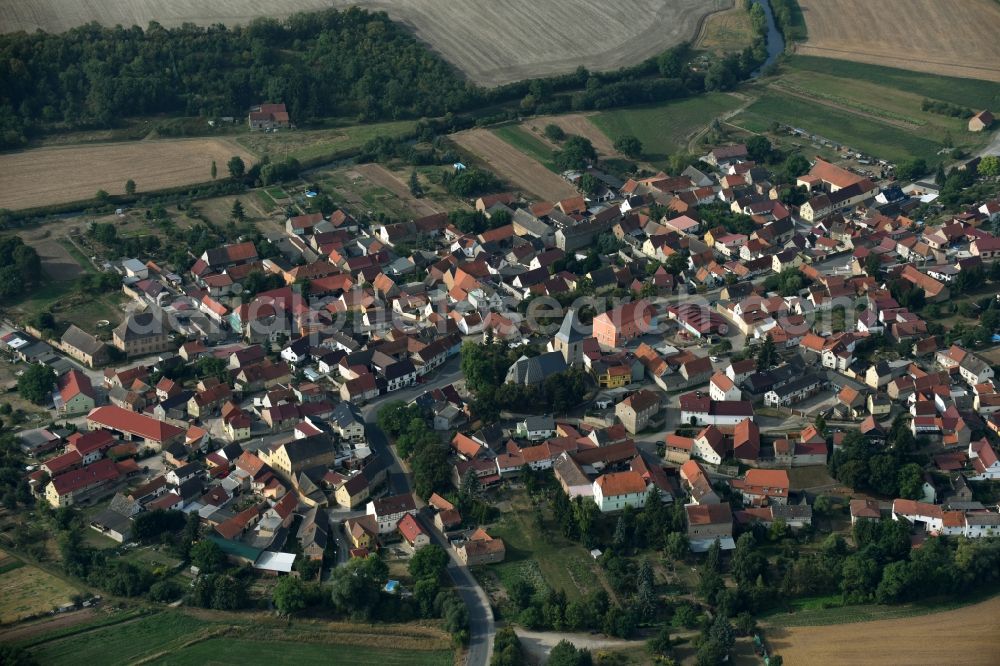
(321, 65)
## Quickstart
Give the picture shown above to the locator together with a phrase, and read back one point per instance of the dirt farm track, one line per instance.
(961, 637)
(949, 37)
(62, 174)
(492, 42)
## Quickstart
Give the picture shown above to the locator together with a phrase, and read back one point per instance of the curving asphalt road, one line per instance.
(481, 625)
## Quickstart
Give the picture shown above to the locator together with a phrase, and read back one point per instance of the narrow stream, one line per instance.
(775, 42)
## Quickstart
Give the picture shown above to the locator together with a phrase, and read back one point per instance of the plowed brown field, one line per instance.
(62, 174)
(962, 637)
(514, 166)
(952, 37)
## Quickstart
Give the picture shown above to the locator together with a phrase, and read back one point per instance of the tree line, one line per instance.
(323, 64)
(20, 268)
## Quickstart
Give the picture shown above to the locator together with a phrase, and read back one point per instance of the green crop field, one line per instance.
(121, 643)
(240, 651)
(858, 132)
(665, 129)
(965, 92)
(874, 109)
(175, 637)
(528, 144)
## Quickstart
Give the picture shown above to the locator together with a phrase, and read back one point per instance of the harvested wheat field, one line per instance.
(512, 165)
(60, 15)
(575, 123)
(961, 637)
(491, 42)
(952, 38)
(62, 174)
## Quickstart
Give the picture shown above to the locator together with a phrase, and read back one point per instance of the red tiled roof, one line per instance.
(709, 514)
(410, 528)
(621, 483)
(465, 445)
(87, 442)
(85, 477)
(123, 420)
(73, 383)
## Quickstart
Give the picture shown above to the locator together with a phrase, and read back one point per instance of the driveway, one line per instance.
(538, 644)
(993, 148)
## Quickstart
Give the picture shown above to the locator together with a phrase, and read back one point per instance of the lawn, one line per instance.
(859, 133)
(312, 147)
(80, 257)
(528, 144)
(266, 202)
(241, 651)
(122, 643)
(27, 590)
(665, 129)
(542, 554)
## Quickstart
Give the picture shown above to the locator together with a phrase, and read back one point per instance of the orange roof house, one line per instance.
(763, 486)
(134, 426)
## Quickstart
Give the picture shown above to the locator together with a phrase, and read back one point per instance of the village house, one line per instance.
(708, 523)
(388, 511)
(698, 408)
(697, 483)
(615, 491)
(268, 117)
(413, 533)
(142, 334)
(75, 394)
(83, 484)
(761, 487)
(638, 410)
(710, 445)
(981, 122)
(623, 323)
(290, 458)
(353, 491)
(84, 347)
(481, 548)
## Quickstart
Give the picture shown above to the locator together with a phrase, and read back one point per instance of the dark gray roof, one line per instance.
(536, 370)
(142, 325)
(80, 339)
(345, 414)
(571, 328)
(799, 384)
(303, 449)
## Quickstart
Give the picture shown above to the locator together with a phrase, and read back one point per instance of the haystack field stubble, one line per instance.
(73, 173)
(953, 38)
(491, 42)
